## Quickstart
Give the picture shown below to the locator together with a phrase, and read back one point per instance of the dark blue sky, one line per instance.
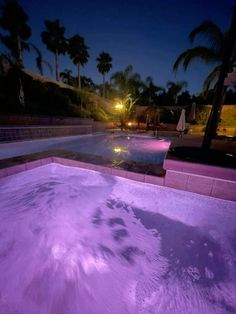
(147, 34)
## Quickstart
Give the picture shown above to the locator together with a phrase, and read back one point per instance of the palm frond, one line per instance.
(48, 65)
(211, 78)
(199, 52)
(209, 31)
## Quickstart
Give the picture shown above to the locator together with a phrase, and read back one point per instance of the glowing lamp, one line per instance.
(117, 149)
(119, 106)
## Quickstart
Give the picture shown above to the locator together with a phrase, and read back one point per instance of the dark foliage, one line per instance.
(40, 98)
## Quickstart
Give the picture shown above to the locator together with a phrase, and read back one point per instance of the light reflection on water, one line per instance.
(137, 148)
(143, 149)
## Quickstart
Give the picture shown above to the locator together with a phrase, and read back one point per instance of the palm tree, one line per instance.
(150, 91)
(53, 38)
(14, 21)
(173, 90)
(222, 52)
(18, 33)
(78, 52)
(127, 82)
(39, 59)
(87, 83)
(67, 77)
(104, 65)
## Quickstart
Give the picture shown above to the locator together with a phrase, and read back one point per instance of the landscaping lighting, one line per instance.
(117, 149)
(119, 106)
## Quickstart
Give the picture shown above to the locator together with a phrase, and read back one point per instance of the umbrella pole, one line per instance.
(181, 134)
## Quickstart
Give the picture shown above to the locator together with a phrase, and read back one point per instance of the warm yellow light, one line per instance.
(119, 106)
(129, 123)
(117, 149)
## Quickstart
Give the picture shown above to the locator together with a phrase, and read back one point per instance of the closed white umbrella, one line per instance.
(181, 126)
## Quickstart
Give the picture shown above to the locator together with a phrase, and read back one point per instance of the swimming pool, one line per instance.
(78, 241)
(127, 147)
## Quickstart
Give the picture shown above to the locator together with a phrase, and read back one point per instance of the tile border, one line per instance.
(180, 180)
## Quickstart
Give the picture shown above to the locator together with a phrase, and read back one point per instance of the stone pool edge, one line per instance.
(180, 180)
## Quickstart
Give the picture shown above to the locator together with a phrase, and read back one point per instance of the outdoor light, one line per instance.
(129, 123)
(119, 106)
(117, 149)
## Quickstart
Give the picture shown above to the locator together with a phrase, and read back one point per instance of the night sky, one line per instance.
(147, 34)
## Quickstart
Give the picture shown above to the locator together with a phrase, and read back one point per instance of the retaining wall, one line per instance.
(23, 127)
(24, 119)
(26, 133)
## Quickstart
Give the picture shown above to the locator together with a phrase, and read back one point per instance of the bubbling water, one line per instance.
(69, 243)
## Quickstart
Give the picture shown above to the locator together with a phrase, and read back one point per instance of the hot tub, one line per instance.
(78, 241)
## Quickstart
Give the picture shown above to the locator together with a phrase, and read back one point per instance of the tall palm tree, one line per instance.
(53, 38)
(104, 65)
(221, 51)
(13, 20)
(78, 53)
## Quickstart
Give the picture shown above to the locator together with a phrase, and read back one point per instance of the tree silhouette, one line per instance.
(53, 38)
(173, 90)
(127, 83)
(14, 21)
(68, 78)
(104, 65)
(78, 53)
(222, 52)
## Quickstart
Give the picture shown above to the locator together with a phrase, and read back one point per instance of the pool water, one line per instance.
(137, 148)
(78, 241)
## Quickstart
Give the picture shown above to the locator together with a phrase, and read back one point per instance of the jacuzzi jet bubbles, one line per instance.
(77, 241)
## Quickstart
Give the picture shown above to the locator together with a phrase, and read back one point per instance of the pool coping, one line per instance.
(190, 182)
(140, 177)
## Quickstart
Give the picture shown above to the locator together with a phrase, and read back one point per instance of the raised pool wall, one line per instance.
(14, 133)
(198, 178)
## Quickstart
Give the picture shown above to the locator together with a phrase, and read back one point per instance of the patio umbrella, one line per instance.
(192, 114)
(181, 126)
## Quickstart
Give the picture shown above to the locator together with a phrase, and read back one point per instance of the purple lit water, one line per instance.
(138, 148)
(76, 241)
